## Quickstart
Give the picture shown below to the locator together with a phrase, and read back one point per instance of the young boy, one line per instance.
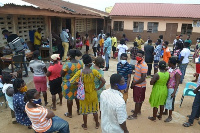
(125, 69)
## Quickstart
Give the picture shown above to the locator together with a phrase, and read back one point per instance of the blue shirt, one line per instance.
(64, 36)
(108, 45)
(124, 70)
(158, 51)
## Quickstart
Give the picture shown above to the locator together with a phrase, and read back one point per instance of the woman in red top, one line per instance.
(55, 79)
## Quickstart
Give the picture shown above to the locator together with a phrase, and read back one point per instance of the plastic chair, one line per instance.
(188, 91)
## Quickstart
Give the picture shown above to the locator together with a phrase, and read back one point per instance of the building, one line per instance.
(150, 19)
(22, 17)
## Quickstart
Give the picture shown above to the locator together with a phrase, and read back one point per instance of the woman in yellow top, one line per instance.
(90, 104)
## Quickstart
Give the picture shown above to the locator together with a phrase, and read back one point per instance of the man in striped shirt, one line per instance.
(139, 84)
(15, 43)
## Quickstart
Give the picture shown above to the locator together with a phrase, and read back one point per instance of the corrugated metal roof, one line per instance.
(156, 10)
(62, 6)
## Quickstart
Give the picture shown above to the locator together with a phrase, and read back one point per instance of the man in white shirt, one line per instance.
(95, 44)
(113, 107)
(184, 60)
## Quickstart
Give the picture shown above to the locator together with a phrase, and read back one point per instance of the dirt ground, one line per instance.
(141, 125)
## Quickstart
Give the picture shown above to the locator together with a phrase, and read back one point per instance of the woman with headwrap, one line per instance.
(55, 79)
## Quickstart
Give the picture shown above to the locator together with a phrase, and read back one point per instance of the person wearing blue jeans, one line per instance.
(183, 70)
(58, 124)
(42, 119)
(195, 107)
(184, 59)
(107, 50)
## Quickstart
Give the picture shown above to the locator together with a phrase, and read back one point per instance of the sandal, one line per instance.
(199, 122)
(133, 111)
(46, 104)
(159, 117)
(97, 125)
(54, 109)
(84, 126)
(131, 117)
(67, 115)
(187, 124)
(29, 127)
(152, 119)
(168, 119)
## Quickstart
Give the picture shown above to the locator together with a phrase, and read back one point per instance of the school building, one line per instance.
(151, 19)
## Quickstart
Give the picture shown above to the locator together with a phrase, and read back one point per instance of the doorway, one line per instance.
(171, 32)
(68, 24)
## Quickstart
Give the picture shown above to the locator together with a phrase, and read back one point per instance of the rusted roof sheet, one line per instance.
(63, 6)
(156, 10)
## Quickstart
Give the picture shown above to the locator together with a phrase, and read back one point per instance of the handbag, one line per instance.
(81, 90)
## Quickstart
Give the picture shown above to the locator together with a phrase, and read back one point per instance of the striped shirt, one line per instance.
(38, 118)
(124, 70)
(139, 69)
(15, 43)
(113, 111)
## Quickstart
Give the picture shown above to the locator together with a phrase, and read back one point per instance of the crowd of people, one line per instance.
(82, 79)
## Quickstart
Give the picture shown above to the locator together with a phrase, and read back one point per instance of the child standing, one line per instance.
(175, 75)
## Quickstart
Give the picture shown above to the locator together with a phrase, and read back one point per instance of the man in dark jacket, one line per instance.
(149, 49)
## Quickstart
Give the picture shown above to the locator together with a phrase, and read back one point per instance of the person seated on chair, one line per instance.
(195, 107)
(43, 120)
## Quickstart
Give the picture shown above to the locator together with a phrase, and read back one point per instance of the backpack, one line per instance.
(80, 90)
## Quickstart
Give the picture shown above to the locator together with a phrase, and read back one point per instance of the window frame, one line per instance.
(120, 27)
(152, 29)
(138, 27)
(186, 29)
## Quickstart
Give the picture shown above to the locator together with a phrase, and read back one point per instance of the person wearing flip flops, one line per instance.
(69, 69)
(175, 75)
(159, 91)
(139, 84)
(195, 107)
(90, 104)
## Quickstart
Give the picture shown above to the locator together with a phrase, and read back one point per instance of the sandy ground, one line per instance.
(141, 125)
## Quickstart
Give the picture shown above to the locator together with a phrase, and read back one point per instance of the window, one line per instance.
(186, 29)
(152, 27)
(138, 26)
(118, 25)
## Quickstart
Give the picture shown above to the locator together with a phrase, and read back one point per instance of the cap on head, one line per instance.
(55, 57)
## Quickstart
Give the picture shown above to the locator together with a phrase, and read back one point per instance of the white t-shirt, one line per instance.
(38, 67)
(122, 48)
(113, 111)
(95, 42)
(185, 53)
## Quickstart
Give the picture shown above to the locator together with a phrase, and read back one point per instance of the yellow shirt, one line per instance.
(139, 42)
(101, 42)
(36, 41)
(114, 40)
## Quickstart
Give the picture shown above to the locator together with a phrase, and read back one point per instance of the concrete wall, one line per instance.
(128, 28)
